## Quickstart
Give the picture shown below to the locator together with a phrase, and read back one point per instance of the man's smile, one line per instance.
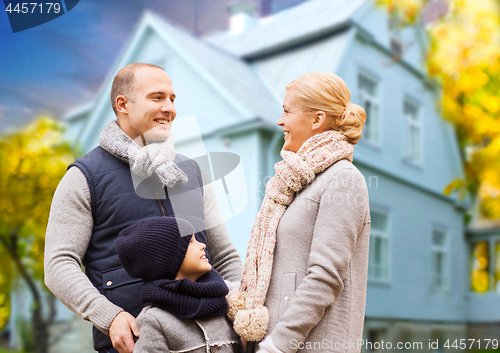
(162, 121)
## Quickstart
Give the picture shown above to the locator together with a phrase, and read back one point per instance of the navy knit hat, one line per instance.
(153, 248)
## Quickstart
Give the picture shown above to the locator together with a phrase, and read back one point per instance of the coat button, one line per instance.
(213, 349)
(286, 299)
(108, 283)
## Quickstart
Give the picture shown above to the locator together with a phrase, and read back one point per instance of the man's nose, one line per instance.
(168, 109)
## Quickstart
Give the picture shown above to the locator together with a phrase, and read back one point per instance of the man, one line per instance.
(99, 196)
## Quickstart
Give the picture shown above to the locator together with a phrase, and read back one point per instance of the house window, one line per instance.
(378, 258)
(480, 266)
(440, 338)
(413, 132)
(485, 265)
(396, 48)
(373, 339)
(496, 269)
(439, 259)
(368, 91)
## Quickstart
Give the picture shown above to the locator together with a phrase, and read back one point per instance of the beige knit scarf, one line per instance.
(245, 305)
(155, 158)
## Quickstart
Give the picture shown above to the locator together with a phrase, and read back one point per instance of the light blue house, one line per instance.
(234, 82)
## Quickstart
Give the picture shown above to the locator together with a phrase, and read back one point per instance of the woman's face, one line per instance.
(296, 124)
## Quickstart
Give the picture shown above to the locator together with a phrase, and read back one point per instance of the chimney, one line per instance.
(242, 15)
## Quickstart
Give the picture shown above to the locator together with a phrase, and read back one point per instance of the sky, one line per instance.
(60, 65)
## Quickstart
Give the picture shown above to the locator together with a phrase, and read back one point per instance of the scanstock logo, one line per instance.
(23, 15)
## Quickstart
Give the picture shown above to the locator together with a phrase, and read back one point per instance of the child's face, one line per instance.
(195, 263)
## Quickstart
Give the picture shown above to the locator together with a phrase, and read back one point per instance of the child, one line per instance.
(184, 297)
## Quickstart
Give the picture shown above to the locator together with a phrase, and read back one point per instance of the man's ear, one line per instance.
(122, 104)
(319, 120)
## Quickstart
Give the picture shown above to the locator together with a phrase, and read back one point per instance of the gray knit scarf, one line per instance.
(157, 157)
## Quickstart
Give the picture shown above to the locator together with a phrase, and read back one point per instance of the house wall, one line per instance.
(75, 126)
(412, 214)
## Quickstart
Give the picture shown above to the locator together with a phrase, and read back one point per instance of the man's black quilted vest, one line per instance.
(116, 205)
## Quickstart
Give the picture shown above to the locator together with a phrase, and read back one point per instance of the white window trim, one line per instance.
(387, 238)
(375, 101)
(445, 250)
(409, 122)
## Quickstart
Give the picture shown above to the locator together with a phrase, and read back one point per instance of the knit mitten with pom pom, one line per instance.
(252, 324)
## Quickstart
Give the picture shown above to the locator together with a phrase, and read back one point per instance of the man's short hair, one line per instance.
(124, 83)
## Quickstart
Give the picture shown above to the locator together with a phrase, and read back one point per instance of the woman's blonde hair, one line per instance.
(327, 92)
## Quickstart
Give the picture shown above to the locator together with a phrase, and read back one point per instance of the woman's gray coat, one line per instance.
(316, 297)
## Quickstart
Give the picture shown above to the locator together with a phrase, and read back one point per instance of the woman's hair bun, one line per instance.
(352, 121)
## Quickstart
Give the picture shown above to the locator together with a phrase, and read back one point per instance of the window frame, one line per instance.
(375, 101)
(445, 249)
(409, 123)
(386, 238)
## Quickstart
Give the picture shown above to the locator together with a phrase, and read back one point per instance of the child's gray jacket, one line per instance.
(161, 331)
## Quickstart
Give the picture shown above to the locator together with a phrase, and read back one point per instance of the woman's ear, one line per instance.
(319, 121)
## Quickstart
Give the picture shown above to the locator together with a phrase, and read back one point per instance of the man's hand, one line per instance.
(121, 330)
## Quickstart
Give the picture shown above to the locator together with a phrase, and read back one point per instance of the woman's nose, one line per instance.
(280, 121)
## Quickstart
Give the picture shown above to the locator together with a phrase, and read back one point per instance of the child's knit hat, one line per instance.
(153, 248)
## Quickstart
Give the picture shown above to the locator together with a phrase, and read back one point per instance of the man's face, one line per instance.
(151, 111)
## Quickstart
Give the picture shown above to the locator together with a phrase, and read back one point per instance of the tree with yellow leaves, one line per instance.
(32, 162)
(464, 58)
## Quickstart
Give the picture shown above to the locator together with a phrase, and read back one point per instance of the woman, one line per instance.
(304, 280)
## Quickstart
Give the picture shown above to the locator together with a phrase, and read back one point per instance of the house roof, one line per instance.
(301, 23)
